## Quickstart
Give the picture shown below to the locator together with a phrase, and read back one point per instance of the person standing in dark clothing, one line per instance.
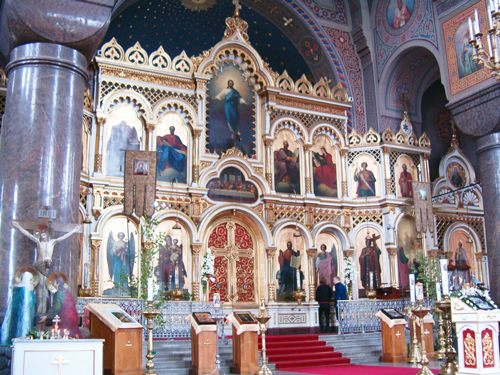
(340, 293)
(323, 296)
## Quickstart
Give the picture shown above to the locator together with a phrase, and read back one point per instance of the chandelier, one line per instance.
(491, 59)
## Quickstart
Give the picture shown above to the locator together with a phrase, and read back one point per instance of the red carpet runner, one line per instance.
(361, 370)
(301, 351)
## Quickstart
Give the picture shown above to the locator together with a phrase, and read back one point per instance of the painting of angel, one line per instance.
(120, 255)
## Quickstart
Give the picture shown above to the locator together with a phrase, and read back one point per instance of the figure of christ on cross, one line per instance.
(45, 247)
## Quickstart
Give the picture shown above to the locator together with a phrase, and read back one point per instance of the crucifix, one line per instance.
(232, 253)
(237, 8)
(41, 236)
(59, 361)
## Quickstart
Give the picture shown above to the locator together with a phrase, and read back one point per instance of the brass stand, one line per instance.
(264, 370)
(441, 353)
(414, 355)
(449, 366)
(176, 293)
(421, 312)
(298, 295)
(150, 315)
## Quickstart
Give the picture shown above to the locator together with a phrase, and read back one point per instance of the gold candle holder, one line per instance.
(264, 370)
(371, 293)
(414, 355)
(421, 312)
(176, 293)
(150, 315)
(441, 353)
(449, 366)
(298, 295)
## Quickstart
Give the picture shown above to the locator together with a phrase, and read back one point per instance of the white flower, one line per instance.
(212, 279)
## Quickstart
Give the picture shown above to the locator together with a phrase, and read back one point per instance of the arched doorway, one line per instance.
(233, 247)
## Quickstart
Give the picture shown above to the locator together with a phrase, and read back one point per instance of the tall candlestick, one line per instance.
(489, 45)
(444, 276)
(420, 291)
(298, 279)
(150, 289)
(438, 292)
(262, 307)
(412, 288)
(476, 22)
(471, 30)
(490, 20)
(371, 279)
(176, 272)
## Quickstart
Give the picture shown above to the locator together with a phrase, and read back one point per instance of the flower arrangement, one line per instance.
(349, 271)
(465, 293)
(207, 269)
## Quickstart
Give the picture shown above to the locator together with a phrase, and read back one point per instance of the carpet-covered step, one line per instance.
(313, 362)
(300, 350)
(298, 357)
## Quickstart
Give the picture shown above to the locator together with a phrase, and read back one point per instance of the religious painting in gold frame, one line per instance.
(455, 173)
(325, 176)
(405, 172)
(326, 262)
(172, 266)
(290, 258)
(287, 174)
(462, 247)
(369, 258)
(365, 177)
(409, 247)
(230, 111)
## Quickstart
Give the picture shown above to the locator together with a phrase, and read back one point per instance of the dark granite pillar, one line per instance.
(40, 153)
(488, 152)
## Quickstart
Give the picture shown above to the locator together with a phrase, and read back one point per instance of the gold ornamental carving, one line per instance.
(308, 185)
(388, 186)
(470, 350)
(94, 268)
(269, 178)
(271, 252)
(343, 153)
(196, 249)
(344, 188)
(268, 142)
(196, 173)
(310, 106)
(197, 133)
(150, 127)
(233, 25)
(138, 76)
(392, 251)
(488, 356)
(233, 151)
(196, 291)
(98, 163)
(348, 253)
(205, 164)
(259, 170)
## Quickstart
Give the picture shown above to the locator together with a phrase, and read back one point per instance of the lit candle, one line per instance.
(150, 289)
(420, 291)
(490, 20)
(476, 22)
(471, 30)
(371, 279)
(438, 292)
(262, 307)
(176, 276)
(444, 276)
(412, 288)
(298, 279)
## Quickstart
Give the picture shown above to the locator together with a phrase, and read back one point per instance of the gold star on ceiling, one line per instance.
(198, 5)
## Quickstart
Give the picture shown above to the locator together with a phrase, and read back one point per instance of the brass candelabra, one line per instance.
(421, 312)
(176, 293)
(441, 353)
(414, 355)
(264, 370)
(150, 314)
(449, 366)
(298, 295)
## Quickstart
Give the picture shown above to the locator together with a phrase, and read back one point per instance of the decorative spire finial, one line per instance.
(237, 8)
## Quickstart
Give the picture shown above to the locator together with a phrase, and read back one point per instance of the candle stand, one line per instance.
(421, 312)
(264, 370)
(150, 314)
(414, 355)
(218, 316)
(298, 295)
(176, 293)
(449, 366)
(371, 293)
(441, 353)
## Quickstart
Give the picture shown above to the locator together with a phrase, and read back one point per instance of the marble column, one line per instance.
(268, 143)
(196, 156)
(308, 179)
(41, 153)
(98, 142)
(271, 285)
(343, 171)
(488, 152)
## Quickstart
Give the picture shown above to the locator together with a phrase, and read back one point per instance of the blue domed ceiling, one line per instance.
(278, 36)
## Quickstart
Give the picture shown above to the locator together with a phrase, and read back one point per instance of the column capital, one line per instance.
(311, 253)
(307, 148)
(426, 156)
(150, 126)
(386, 150)
(96, 243)
(197, 133)
(196, 248)
(100, 120)
(268, 142)
(348, 253)
(343, 153)
(271, 251)
(392, 251)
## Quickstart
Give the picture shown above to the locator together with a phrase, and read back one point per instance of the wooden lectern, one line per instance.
(122, 338)
(245, 343)
(393, 336)
(203, 344)
(429, 334)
